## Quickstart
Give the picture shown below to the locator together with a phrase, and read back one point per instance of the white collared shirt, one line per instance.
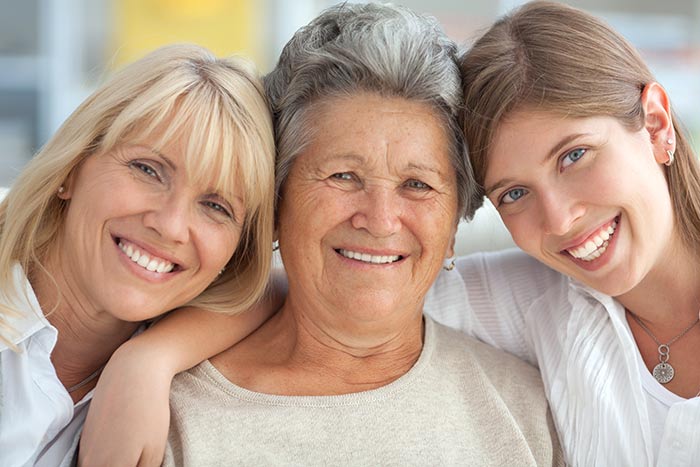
(39, 424)
(602, 399)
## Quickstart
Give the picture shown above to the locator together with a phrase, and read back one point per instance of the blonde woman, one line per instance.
(157, 192)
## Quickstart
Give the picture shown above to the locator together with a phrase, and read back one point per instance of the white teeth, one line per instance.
(153, 265)
(596, 246)
(367, 258)
(145, 261)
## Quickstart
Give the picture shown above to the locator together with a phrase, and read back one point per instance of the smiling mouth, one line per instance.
(367, 258)
(597, 243)
(143, 259)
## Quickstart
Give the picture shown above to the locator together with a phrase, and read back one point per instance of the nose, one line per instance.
(378, 212)
(171, 217)
(559, 212)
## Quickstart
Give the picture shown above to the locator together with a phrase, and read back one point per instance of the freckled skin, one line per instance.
(375, 179)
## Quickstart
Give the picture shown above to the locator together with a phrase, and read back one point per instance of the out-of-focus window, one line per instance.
(54, 52)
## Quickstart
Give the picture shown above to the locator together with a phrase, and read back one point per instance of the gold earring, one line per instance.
(450, 266)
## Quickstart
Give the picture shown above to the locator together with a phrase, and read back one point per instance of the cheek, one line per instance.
(216, 246)
(525, 231)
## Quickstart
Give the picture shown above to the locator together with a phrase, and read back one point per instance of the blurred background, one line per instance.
(53, 53)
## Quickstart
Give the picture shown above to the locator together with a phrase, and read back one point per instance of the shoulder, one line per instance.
(497, 365)
(511, 267)
(504, 385)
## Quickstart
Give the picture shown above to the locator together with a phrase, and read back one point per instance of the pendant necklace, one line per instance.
(663, 372)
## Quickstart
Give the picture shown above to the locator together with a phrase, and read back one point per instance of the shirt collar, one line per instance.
(31, 317)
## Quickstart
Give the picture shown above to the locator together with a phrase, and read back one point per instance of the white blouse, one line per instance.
(605, 404)
(39, 424)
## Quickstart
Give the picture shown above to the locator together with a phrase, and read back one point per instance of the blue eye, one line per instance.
(217, 207)
(145, 168)
(513, 195)
(571, 157)
(417, 185)
(347, 176)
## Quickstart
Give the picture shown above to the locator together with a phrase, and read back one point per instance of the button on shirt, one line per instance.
(602, 399)
(39, 424)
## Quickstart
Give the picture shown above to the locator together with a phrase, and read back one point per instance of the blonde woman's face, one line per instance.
(140, 237)
(585, 196)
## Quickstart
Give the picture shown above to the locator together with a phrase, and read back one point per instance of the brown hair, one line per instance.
(552, 57)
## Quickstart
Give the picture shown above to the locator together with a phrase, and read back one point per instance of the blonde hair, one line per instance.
(552, 57)
(218, 103)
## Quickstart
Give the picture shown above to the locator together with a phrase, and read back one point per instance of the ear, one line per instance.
(65, 191)
(451, 248)
(657, 121)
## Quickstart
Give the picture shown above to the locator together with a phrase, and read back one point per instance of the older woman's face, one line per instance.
(369, 210)
(140, 236)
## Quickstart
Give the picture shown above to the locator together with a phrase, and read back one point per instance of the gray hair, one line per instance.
(383, 49)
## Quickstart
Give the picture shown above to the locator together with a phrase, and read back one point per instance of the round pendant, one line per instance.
(663, 372)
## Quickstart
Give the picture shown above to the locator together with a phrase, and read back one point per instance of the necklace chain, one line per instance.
(86, 380)
(672, 341)
(664, 372)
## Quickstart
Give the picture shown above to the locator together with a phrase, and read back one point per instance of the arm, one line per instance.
(492, 296)
(127, 423)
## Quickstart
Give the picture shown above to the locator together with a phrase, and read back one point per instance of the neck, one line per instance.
(301, 355)
(87, 337)
(669, 295)
(667, 304)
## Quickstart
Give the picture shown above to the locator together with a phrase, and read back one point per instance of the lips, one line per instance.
(144, 259)
(596, 243)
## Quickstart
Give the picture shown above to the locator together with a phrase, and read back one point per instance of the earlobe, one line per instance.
(658, 122)
(451, 248)
(64, 191)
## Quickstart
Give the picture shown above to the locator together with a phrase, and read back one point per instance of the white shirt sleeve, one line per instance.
(491, 296)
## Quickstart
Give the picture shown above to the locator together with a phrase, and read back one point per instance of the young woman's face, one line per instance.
(140, 236)
(586, 196)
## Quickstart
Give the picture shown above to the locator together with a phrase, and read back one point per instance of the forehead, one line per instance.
(528, 136)
(372, 128)
(205, 155)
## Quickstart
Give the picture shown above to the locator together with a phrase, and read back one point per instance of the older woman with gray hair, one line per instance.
(372, 180)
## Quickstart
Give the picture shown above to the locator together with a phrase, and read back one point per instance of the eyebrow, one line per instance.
(424, 168)
(556, 149)
(343, 156)
(561, 144)
(165, 158)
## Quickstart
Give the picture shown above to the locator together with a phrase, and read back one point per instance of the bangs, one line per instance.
(225, 151)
